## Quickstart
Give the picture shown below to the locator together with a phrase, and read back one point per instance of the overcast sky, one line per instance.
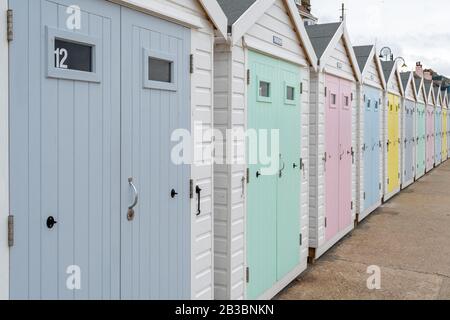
(418, 30)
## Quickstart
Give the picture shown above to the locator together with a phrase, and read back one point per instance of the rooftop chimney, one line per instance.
(307, 5)
(419, 69)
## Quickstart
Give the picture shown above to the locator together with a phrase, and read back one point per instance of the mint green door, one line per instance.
(288, 199)
(273, 198)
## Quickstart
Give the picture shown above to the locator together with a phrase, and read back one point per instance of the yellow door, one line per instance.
(393, 137)
(444, 132)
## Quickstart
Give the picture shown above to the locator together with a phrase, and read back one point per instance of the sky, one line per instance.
(417, 30)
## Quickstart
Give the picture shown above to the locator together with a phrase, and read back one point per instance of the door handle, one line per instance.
(173, 193)
(131, 213)
(198, 191)
(282, 168)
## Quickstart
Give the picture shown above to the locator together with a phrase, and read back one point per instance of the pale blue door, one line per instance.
(65, 150)
(156, 244)
(371, 146)
(409, 141)
(93, 104)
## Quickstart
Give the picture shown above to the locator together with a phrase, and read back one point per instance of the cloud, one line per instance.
(412, 29)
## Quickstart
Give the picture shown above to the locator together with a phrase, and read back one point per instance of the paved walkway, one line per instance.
(408, 238)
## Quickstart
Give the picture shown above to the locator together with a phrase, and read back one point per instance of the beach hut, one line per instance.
(333, 137)
(430, 124)
(369, 165)
(444, 96)
(437, 125)
(421, 133)
(99, 208)
(262, 83)
(392, 129)
(408, 115)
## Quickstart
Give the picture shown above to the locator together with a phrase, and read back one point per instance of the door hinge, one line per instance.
(9, 25)
(248, 76)
(191, 63)
(364, 196)
(248, 175)
(301, 239)
(351, 96)
(301, 87)
(351, 205)
(388, 181)
(379, 186)
(191, 189)
(10, 231)
(326, 91)
(326, 222)
(364, 99)
(247, 275)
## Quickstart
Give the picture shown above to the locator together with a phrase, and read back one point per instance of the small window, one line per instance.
(264, 89)
(376, 105)
(290, 93)
(159, 70)
(368, 104)
(73, 56)
(346, 101)
(333, 99)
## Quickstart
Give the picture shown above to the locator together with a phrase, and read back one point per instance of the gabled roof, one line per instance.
(234, 9)
(325, 37)
(407, 80)
(364, 54)
(321, 36)
(216, 15)
(429, 90)
(444, 96)
(243, 14)
(437, 93)
(418, 82)
(390, 70)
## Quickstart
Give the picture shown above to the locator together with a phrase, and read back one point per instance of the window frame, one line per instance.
(262, 98)
(159, 85)
(77, 75)
(291, 84)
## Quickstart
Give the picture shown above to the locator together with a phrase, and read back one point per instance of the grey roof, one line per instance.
(387, 69)
(234, 9)
(321, 36)
(427, 84)
(417, 81)
(405, 78)
(362, 55)
(436, 92)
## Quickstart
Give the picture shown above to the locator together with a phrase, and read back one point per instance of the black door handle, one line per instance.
(258, 174)
(173, 193)
(198, 191)
(51, 222)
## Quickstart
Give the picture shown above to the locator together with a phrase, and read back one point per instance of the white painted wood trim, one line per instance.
(373, 55)
(166, 12)
(216, 15)
(368, 211)
(283, 283)
(304, 39)
(329, 244)
(380, 69)
(4, 155)
(261, 47)
(341, 33)
(249, 18)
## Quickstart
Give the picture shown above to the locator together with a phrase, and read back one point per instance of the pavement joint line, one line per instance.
(396, 268)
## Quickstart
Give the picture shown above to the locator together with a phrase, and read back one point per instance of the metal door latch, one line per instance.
(51, 222)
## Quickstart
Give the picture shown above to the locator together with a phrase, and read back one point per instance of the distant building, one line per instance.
(304, 7)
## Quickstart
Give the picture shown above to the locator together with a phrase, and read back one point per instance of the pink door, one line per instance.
(332, 157)
(345, 156)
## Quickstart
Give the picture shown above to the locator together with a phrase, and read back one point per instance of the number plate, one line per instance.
(73, 56)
